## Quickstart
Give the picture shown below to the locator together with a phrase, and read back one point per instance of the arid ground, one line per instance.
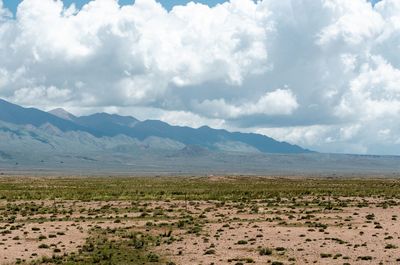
(199, 220)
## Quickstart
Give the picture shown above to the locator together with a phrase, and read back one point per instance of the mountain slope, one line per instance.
(110, 125)
(35, 141)
(208, 137)
(15, 114)
(63, 114)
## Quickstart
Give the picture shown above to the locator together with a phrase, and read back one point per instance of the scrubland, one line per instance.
(199, 220)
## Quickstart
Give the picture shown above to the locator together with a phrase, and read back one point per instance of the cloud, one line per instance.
(184, 118)
(134, 52)
(350, 26)
(278, 102)
(41, 94)
(323, 137)
(320, 73)
(4, 13)
(373, 94)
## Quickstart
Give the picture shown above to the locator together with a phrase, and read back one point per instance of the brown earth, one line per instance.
(307, 230)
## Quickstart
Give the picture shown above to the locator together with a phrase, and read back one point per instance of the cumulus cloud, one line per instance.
(134, 52)
(278, 102)
(373, 94)
(185, 118)
(321, 73)
(350, 26)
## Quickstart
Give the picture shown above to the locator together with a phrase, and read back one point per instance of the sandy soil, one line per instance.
(298, 232)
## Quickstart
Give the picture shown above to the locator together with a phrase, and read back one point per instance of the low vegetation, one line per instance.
(215, 220)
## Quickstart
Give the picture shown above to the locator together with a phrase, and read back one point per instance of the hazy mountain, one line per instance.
(31, 139)
(36, 141)
(210, 138)
(111, 125)
(108, 124)
(15, 114)
(62, 113)
(5, 156)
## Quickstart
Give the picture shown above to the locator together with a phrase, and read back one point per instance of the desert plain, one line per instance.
(199, 220)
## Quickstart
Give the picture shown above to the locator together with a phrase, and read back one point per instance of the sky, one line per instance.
(168, 4)
(323, 74)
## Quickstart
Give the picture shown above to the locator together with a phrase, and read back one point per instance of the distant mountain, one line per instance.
(15, 114)
(192, 151)
(63, 114)
(4, 155)
(35, 141)
(210, 138)
(108, 124)
(102, 125)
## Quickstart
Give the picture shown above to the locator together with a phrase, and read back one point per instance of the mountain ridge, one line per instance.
(51, 145)
(63, 114)
(16, 114)
(111, 125)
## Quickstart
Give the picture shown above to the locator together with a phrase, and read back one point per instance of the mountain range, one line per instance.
(58, 141)
(100, 125)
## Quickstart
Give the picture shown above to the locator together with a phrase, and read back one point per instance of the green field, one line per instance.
(190, 188)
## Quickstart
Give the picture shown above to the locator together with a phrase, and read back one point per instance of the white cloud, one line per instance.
(3, 78)
(337, 63)
(373, 94)
(43, 95)
(184, 118)
(324, 138)
(137, 51)
(304, 135)
(278, 102)
(354, 22)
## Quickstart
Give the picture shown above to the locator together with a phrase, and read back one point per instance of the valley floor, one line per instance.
(199, 220)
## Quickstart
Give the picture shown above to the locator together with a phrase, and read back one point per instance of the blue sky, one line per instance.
(12, 4)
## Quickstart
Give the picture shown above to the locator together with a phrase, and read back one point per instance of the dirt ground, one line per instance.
(305, 230)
